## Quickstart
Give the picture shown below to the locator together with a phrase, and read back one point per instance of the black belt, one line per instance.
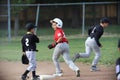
(63, 42)
(31, 50)
(91, 37)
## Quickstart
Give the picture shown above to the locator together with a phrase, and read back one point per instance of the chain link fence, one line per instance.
(70, 13)
(3, 20)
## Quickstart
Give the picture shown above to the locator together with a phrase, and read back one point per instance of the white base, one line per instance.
(46, 77)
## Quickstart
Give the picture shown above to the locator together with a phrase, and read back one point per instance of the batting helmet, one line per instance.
(58, 21)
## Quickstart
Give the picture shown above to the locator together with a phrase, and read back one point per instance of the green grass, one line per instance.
(114, 29)
(43, 31)
(11, 51)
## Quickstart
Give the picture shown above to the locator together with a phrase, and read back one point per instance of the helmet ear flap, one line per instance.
(59, 25)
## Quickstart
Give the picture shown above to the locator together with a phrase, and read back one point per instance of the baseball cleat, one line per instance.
(58, 74)
(94, 68)
(78, 73)
(36, 77)
(76, 56)
(24, 77)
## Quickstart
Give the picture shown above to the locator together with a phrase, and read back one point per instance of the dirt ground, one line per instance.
(13, 71)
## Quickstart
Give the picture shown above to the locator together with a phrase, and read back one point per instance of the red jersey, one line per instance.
(60, 33)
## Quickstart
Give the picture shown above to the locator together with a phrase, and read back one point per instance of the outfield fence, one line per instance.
(13, 17)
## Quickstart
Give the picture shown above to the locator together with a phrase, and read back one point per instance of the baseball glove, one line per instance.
(50, 46)
(24, 59)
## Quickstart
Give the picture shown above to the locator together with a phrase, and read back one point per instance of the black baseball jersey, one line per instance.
(96, 32)
(119, 43)
(29, 41)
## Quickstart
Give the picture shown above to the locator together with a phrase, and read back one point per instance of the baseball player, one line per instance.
(29, 41)
(92, 43)
(61, 48)
(118, 64)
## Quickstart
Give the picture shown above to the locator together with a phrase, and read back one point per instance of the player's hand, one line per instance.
(50, 46)
(24, 53)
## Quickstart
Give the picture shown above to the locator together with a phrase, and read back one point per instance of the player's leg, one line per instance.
(30, 56)
(84, 55)
(34, 66)
(32, 63)
(24, 76)
(56, 55)
(69, 61)
(87, 54)
(96, 49)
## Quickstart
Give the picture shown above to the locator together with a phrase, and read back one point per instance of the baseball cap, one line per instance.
(105, 20)
(58, 21)
(30, 26)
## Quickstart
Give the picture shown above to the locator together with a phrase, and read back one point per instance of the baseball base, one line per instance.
(46, 77)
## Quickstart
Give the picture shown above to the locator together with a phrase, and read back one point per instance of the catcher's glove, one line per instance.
(24, 59)
(50, 46)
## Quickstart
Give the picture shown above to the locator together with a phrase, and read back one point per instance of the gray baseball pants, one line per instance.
(31, 55)
(91, 45)
(63, 49)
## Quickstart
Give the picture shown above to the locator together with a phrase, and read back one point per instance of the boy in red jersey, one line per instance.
(61, 48)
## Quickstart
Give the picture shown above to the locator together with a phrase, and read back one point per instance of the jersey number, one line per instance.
(27, 42)
(93, 31)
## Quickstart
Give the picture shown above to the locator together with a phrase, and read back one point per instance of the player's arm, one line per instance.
(36, 39)
(98, 42)
(90, 30)
(99, 34)
(23, 48)
(59, 40)
(50, 46)
(60, 35)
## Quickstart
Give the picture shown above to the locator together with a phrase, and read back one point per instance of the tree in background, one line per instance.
(15, 11)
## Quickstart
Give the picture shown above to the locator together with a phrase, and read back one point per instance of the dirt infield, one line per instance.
(13, 71)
